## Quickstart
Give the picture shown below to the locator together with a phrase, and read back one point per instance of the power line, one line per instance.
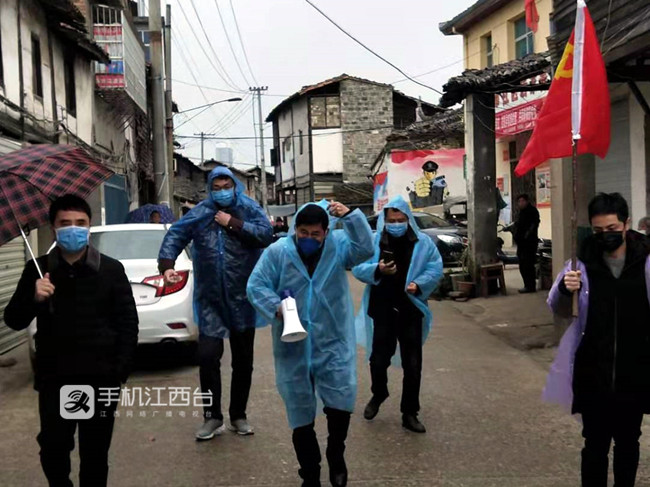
(206, 108)
(370, 50)
(232, 49)
(229, 119)
(188, 66)
(234, 164)
(243, 47)
(214, 52)
(224, 75)
(225, 91)
(370, 129)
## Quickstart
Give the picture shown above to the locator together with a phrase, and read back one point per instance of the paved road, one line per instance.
(480, 401)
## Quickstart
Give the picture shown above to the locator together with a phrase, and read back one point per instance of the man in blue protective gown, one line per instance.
(405, 269)
(228, 232)
(311, 263)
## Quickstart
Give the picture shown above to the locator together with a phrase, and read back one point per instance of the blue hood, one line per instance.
(221, 171)
(397, 203)
(324, 204)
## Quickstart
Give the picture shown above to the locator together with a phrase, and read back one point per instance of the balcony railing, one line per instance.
(127, 68)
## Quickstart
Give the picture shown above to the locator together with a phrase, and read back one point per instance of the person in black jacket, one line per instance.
(611, 375)
(527, 240)
(87, 334)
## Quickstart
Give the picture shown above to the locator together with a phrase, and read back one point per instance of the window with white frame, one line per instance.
(488, 48)
(524, 39)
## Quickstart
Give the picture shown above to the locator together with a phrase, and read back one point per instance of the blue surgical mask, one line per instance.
(72, 239)
(308, 246)
(223, 197)
(397, 229)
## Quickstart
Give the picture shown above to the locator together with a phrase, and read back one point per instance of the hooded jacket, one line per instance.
(223, 257)
(425, 270)
(325, 362)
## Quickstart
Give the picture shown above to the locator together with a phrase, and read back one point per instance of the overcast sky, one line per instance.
(290, 45)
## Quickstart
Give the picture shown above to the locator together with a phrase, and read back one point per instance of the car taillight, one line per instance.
(176, 326)
(163, 289)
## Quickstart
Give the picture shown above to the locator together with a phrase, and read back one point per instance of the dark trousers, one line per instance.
(391, 327)
(56, 440)
(307, 450)
(602, 422)
(210, 353)
(527, 254)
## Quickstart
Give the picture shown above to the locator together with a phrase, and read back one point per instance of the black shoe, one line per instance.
(411, 423)
(310, 479)
(339, 479)
(527, 291)
(372, 409)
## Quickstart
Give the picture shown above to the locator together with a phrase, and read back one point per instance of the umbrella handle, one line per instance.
(31, 252)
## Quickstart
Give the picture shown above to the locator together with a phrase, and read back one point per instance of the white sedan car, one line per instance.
(165, 312)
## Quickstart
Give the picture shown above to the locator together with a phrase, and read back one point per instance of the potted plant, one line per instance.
(465, 284)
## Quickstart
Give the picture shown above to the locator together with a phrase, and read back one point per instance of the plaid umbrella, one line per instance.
(31, 178)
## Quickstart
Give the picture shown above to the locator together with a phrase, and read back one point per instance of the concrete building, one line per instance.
(46, 96)
(622, 28)
(72, 72)
(626, 50)
(255, 183)
(331, 133)
(495, 32)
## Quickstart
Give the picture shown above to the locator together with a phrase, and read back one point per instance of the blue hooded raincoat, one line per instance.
(425, 271)
(325, 362)
(223, 259)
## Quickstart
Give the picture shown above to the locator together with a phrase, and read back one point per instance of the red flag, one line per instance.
(552, 135)
(532, 17)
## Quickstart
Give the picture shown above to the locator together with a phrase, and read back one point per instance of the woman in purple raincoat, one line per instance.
(602, 369)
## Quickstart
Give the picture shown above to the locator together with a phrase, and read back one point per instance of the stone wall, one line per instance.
(364, 106)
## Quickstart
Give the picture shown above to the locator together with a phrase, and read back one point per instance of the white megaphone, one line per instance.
(293, 330)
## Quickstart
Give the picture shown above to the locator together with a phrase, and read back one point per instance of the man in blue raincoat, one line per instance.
(311, 263)
(228, 231)
(405, 269)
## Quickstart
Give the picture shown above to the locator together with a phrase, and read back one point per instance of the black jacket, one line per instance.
(390, 293)
(614, 354)
(527, 226)
(88, 330)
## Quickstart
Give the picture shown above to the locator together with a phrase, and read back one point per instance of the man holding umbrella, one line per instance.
(87, 334)
(228, 231)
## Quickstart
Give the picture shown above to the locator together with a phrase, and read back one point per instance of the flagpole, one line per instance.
(574, 219)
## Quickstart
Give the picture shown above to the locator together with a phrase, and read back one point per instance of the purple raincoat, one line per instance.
(559, 383)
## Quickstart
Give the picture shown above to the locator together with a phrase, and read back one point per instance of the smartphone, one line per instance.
(387, 256)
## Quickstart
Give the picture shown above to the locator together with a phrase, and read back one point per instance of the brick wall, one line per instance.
(364, 106)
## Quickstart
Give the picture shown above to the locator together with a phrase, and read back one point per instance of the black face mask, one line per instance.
(609, 241)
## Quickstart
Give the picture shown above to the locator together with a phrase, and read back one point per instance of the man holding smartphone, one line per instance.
(404, 271)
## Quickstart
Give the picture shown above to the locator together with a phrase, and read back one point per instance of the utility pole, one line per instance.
(169, 122)
(203, 135)
(159, 147)
(258, 90)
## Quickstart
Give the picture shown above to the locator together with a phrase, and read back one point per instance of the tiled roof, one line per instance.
(309, 88)
(66, 19)
(446, 128)
(497, 79)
